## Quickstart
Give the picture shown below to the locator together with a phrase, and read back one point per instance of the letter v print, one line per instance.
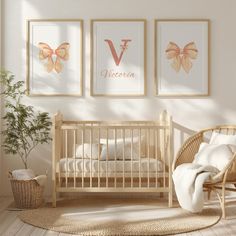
(123, 46)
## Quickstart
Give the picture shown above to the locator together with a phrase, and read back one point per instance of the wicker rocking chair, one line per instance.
(218, 182)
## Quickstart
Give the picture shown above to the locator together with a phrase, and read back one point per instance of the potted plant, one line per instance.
(23, 130)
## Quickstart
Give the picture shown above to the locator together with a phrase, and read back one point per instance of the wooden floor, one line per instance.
(10, 224)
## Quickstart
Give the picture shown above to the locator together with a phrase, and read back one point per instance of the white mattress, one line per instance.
(112, 166)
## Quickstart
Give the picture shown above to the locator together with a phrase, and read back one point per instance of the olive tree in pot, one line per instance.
(23, 130)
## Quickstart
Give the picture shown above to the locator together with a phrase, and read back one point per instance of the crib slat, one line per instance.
(115, 134)
(132, 141)
(139, 157)
(123, 136)
(59, 174)
(74, 155)
(148, 144)
(83, 157)
(164, 158)
(107, 158)
(162, 144)
(99, 151)
(91, 155)
(66, 154)
(170, 148)
(156, 153)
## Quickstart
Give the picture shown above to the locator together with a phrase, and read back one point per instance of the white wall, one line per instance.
(194, 113)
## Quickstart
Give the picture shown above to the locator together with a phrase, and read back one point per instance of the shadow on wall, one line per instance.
(180, 134)
(100, 108)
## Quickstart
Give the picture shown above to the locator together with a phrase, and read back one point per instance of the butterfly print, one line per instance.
(181, 57)
(46, 53)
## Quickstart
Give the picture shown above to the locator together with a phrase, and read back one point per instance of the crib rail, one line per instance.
(98, 156)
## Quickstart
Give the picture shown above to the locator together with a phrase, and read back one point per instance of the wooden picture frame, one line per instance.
(118, 57)
(54, 57)
(182, 64)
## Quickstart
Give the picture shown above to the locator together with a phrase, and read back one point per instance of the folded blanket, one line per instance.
(23, 174)
(28, 174)
(188, 180)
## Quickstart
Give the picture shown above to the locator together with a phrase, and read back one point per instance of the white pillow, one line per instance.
(217, 138)
(119, 143)
(116, 151)
(214, 155)
(87, 151)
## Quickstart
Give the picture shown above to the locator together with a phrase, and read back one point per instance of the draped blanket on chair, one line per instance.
(188, 180)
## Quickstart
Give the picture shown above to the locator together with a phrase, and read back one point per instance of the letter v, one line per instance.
(113, 51)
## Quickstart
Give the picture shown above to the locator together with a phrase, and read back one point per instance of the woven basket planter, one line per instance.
(27, 193)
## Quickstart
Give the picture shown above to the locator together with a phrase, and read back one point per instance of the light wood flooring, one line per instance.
(11, 225)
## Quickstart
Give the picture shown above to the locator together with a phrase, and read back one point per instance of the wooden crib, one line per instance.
(104, 156)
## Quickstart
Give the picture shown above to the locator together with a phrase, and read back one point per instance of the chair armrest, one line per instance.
(188, 150)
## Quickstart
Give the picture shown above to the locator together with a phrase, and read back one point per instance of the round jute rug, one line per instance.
(116, 217)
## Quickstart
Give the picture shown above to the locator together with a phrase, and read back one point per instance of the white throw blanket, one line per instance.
(28, 174)
(23, 174)
(188, 179)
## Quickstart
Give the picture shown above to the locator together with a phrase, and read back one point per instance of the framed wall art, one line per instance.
(182, 57)
(54, 57)
(118, 57)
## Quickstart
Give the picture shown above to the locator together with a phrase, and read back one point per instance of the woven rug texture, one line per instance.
(116, 217)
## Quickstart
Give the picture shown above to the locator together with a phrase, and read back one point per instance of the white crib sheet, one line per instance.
(112, 166)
